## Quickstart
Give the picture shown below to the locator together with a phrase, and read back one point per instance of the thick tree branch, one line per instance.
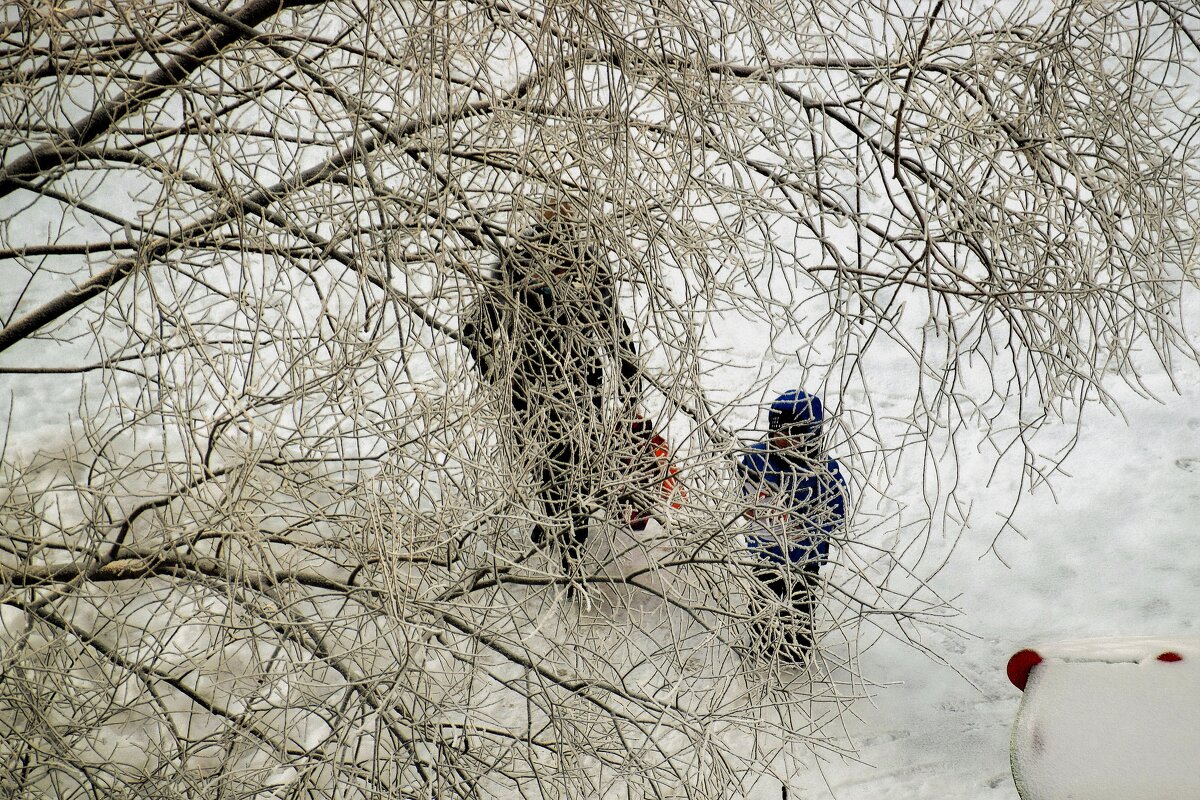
(51, 155)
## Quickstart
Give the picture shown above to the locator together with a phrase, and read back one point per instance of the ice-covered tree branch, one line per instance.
(329, 330)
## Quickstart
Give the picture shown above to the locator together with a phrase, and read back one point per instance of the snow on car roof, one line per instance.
(1122, 649)
(1106, 650)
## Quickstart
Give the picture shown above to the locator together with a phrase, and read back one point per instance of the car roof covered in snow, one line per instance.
(1107, 650)
(1118, 649)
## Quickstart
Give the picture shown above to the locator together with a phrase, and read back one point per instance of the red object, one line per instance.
(1019, 666)
(656, 448)
(1170, 656)
(663, 455)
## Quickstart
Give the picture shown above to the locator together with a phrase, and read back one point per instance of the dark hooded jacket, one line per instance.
(547, 332)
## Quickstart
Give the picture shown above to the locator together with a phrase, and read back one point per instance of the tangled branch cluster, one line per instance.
(283, 545)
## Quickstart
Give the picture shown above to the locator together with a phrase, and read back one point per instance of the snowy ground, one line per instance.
(1112, 551)
(1115, 552)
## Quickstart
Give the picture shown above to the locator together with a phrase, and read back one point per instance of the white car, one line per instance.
(1108, 718)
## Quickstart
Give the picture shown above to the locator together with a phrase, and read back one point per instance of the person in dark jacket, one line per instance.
(548, 333)
(797, 503)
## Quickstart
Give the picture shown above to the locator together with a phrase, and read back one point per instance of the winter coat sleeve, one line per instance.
(622, 350)
(630, 373)
(826, 507)
(832, 502)
(477, 331)
(751, 469)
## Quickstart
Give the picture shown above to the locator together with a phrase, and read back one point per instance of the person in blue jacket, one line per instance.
(796, 503)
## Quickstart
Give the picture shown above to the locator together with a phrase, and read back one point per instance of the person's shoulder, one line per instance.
(757, 459)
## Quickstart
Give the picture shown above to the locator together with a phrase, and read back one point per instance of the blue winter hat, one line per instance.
(796, 407)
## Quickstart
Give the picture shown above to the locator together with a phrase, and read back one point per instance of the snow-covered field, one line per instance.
(1112, 551)
(1109, 550)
